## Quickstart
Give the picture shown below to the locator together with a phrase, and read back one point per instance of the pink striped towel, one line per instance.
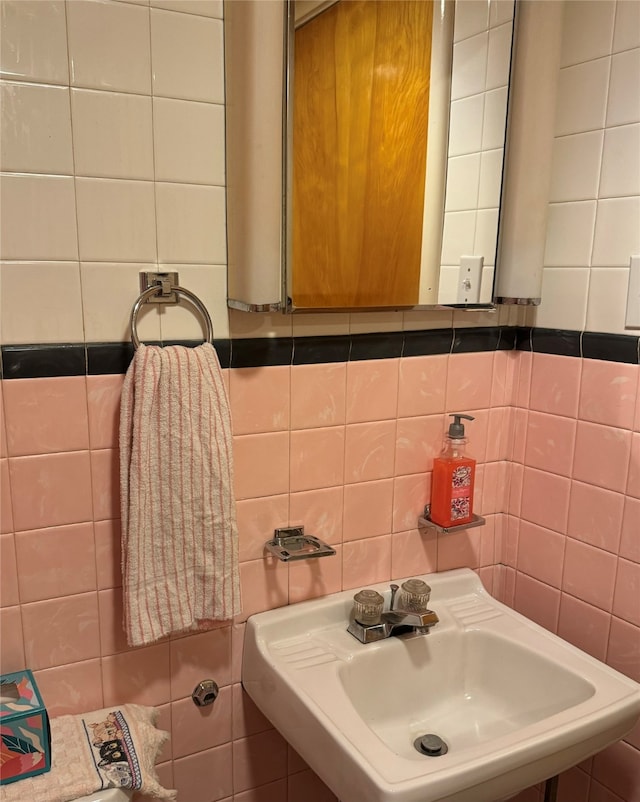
(179, 533)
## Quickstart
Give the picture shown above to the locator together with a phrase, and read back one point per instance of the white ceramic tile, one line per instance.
(428, 319)
(494, 124)
(463, 178)
(322, 324)
(209, 282)
(470, 318)
(486, 291)
(206, 8)
(33, 44)
(587, 30)
(38, 219)
(36, 129)
(626, 33)
(465, 125)
(191, 224)
(189, 141)
(52, 291)
(608, 300)
(112, 134)
(471, 17)
(245, 325)
(458, 236)
(500, 11)
(624, 89)
(469, 66)
(569, 234)
(499, 56)
(116, 220)
(576, 166)
(367, 322)
(448, 284)
(621, 162)
(564, 298)
(490, 179)
(108, 294)
(486, 235)
(617, 234)
(187, 56)
(582, 97)
(109, 46)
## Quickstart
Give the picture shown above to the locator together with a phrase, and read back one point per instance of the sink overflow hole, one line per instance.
(431, 745)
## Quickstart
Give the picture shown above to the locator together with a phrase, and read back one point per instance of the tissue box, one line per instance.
(25, 740)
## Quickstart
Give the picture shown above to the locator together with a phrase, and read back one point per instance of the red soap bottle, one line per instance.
(453, 479)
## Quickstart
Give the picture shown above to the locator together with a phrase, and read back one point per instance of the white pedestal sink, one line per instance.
(513, 703)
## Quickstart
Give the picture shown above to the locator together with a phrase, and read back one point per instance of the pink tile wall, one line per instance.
(345, 450)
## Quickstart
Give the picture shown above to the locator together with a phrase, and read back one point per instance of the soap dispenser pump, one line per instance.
(453, 479)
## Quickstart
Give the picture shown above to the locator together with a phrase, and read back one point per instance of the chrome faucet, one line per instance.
(370, 623)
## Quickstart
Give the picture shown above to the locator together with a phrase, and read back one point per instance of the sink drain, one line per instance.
(431, 745)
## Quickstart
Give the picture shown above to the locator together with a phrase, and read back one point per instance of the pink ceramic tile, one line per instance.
(459, 550)
(367, 509)
(272, 792)
(258, 760)
(469, 381)
(140, 677)
(372, 390)
(511, 541)
(545, 499)
(595, 516)
(196, 728)
(112, 635)
(12, 656)
(309, 579)
(418, 443)
(541, 553)
(320, 511)
(633, 482)
(499, 439)
(366, 562)
(522, 381)
(71, 689)
(487, 578)
(492, 479)
(555, 384)
(8, 572)
(520, 424)
(318, 395)
(307, 786)
(509, 587)
(69, 548)
(423, 380)
(414, 552)
(257, 518)
(530, 795)
(261, 464)
(487, 541)
(237, 645)
(589, 574)
(618, 768)
(260, 399)
(60, 631)
(550, 441)
(51, 490)
(629, 540)
(598, 793)
(196, 656)
(585, 626)
(317, 458)
(108, 554)
(537, 601)
(410, 494)
(477, 432)
(6, 508)
(103, 399)
(3, 430)
(369, 451)
(46, 415)
(573, 786)
(206, 776)
(516, 479)
(504, 370)
(623, 652)
(602, 455)
(626, 597)
(264, 585)
(608, 393)
(105, 483)
(246, 719)
(294, 762)
(633, 737)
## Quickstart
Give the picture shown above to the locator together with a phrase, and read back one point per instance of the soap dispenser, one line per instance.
(453, 479)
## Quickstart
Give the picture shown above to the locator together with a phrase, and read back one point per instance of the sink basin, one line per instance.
(513, 703)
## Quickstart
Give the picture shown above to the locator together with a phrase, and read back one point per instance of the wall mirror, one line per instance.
(387, 190)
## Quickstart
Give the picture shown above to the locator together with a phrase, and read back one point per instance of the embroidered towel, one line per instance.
(179, 533)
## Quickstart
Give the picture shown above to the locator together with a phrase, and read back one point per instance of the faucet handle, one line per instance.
(415, 595)
(367, 607)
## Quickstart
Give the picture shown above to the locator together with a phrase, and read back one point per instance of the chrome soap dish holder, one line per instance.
(291, 543)
(425, 520)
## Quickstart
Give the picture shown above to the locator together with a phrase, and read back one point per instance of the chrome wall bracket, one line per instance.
(165, 282)
(291, 543)
(425, 520)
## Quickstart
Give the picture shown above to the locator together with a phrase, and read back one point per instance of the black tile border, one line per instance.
(79, 359)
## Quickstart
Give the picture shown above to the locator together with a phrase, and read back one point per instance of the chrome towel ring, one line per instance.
(166, 289)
